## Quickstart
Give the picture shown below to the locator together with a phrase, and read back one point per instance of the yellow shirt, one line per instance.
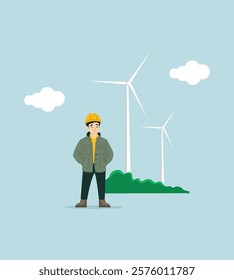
(94, 140)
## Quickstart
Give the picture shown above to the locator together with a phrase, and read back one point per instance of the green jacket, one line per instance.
(83, 154)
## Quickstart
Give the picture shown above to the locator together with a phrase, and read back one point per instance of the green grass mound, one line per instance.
(119, 182)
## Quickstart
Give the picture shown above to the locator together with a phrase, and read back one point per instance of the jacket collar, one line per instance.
(88, 134)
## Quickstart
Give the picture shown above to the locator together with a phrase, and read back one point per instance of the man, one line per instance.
(94, 153)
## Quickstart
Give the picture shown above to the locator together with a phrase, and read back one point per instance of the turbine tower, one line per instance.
(129, 86)
(163, 130)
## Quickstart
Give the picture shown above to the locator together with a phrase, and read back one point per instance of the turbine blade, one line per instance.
(139, 67)
(168, 137)
(168, 119)
(110, 82)
(134, 92)
(156, 127)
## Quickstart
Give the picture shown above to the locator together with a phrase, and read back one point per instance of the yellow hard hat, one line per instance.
(93, 117)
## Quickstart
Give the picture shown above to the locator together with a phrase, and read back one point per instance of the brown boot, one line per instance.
(82, 203)
(102, 203)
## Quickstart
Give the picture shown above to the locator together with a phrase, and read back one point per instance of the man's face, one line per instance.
(94, 128)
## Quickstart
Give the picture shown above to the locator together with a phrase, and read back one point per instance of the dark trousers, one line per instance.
(86, 181)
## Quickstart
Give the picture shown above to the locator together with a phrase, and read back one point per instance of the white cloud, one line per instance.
(47, 99)
(192, 72)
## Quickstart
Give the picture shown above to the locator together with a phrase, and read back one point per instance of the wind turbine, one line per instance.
(128, 85)
(163, 130)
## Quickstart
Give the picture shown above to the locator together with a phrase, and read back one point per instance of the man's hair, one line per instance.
(92, 122)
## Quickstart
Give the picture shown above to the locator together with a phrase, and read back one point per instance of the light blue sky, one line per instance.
(68, 44)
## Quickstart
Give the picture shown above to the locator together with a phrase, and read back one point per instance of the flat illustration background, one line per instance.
(68, 44)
